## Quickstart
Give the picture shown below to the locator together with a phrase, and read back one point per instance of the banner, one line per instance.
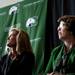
(30, 16)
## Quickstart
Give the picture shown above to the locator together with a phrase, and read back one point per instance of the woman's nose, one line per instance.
(8, 38)
(58, 28)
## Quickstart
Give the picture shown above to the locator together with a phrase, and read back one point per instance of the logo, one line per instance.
(32, 21)
(13, 9)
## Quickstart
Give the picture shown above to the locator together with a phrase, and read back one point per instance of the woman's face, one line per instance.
(11, 42)
(63, 32)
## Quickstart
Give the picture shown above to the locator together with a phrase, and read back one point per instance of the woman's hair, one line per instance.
(69, 22)
(22, 41)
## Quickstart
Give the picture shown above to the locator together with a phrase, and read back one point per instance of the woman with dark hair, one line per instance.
(62, 59)
(20, 58)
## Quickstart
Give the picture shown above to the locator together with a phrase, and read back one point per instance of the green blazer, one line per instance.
(56, 55)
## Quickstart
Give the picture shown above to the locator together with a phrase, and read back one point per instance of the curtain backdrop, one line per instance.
(29, 15)
(56, 8)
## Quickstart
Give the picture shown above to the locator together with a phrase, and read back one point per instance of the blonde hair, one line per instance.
(22, 41)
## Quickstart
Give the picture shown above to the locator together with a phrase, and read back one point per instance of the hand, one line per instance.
(51, 73)
(54, 73)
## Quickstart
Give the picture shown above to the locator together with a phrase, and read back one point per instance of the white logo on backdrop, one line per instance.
(12, 9)
(31, 21)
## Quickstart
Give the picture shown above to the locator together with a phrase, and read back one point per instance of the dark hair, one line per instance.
(69, 22)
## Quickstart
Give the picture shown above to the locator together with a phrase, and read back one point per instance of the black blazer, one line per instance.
(22, 65)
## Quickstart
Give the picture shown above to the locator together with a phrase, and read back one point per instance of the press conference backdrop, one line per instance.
(29, 15)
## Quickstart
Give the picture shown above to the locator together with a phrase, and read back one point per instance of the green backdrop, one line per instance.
(29, 15)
